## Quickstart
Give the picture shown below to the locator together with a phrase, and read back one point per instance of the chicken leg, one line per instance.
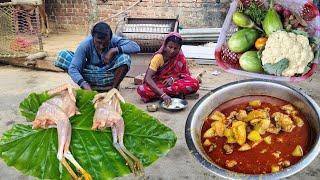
(108, 114)
(64, 139)
(134, 163)
(56, 112)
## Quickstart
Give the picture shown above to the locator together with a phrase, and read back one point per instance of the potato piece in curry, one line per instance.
(249, 132)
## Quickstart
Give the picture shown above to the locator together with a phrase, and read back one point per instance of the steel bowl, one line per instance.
(308, 107)
(176, 105)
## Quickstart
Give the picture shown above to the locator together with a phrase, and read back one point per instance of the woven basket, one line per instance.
(229, 28)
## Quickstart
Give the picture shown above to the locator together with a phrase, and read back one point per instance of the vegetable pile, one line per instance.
(271, 40)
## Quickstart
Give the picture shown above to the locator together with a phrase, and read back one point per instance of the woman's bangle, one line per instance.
(163, 95)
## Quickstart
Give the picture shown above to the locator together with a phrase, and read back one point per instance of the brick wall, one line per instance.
(75, 14)
(68, 14)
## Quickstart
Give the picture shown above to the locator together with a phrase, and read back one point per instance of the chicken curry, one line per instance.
(256, 135)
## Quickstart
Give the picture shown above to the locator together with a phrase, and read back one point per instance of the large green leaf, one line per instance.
(30, 105)
(33, 152)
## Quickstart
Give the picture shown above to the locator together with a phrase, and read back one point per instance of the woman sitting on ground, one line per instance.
(168, 73)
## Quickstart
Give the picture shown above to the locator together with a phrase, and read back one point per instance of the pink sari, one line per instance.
(178, 69)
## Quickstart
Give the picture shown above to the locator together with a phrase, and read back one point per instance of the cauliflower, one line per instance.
(284, 45)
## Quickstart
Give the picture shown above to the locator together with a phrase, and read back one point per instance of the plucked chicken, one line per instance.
(109, 114)
(55, 113)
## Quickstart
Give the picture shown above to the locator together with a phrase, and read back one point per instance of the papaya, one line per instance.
(249, 61)
(272, 21)
(242, 20)
(243, 40)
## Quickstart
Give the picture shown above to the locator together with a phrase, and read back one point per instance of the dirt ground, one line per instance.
(56, 42)
(17, 83)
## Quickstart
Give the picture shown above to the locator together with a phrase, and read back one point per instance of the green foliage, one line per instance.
(303, 33)
(33, 151)
(276, 68)
(29, 106)
(256, 12)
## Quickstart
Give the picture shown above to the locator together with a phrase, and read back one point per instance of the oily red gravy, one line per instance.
(260, 158)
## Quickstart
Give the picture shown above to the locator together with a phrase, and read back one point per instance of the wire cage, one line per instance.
(20, 28)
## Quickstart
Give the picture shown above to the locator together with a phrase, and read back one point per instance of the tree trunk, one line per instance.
(93, 16)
